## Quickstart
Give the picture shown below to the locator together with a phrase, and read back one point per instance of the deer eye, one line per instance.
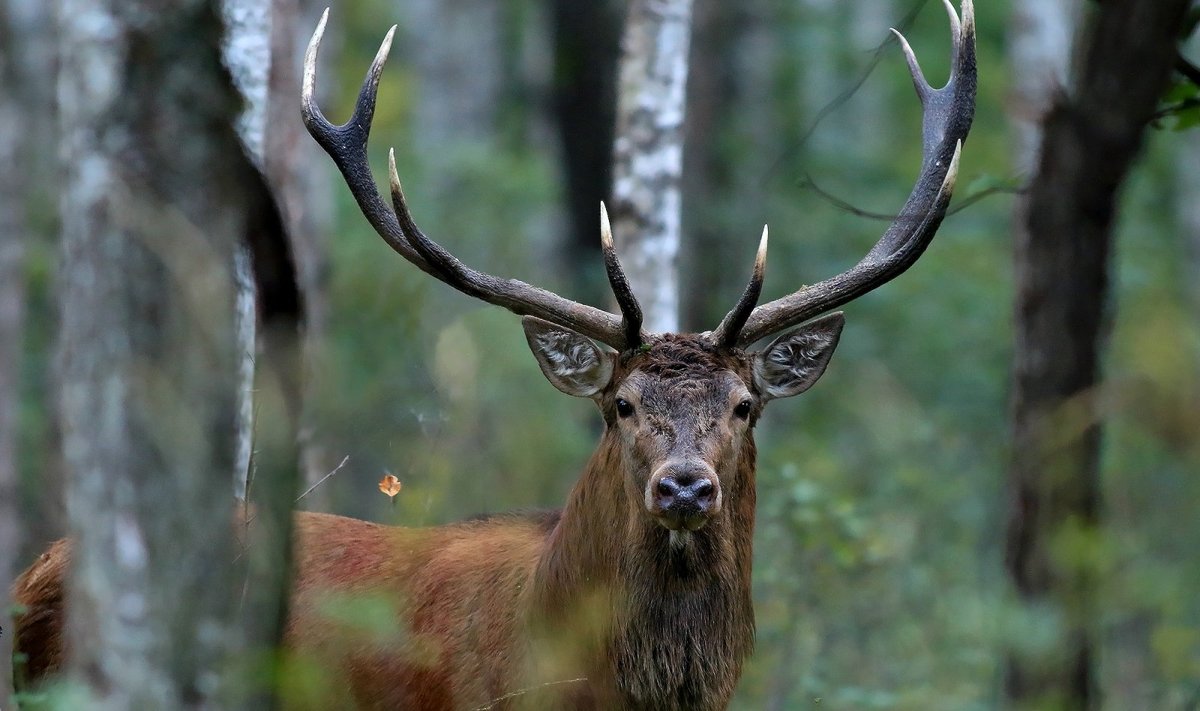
(742, 411)
(624, 409)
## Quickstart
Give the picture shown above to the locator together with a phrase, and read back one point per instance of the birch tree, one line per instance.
(648, 153)
(156, 195)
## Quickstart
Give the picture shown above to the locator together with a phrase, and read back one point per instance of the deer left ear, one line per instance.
(570, 361)
(795, 360)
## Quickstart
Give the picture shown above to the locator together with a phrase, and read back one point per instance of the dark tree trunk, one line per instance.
(708, 180)
(586, 49)
(157, 193)
(1063, 245)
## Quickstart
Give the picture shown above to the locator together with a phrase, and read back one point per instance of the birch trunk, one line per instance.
(247, 55)
(155, 199)
(648, 154)
(297, 171)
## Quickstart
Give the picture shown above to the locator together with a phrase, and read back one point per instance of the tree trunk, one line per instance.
(157, 193)
(13, 235)
(648, 153)
(586, 50)
(270, 386)
(247, 55)
(293, 165)
(1039, 52)
(1063, 243)
(26, 59)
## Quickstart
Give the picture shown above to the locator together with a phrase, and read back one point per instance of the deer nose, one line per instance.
(684, 495)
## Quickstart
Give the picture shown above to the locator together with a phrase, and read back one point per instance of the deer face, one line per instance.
(679, 411)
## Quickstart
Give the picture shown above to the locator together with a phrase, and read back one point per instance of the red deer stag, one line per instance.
(636, 595)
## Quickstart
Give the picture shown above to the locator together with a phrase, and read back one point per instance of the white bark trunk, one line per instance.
(247, 55)
(152, 208)
(648, 154)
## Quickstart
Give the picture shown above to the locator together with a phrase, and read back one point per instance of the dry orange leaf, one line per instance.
(390, 485)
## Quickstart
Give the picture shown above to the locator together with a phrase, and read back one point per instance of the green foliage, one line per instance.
(878, 571)
(1180, 108)
(878, 580)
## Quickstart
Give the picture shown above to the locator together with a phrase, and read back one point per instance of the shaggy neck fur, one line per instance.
(679, 619)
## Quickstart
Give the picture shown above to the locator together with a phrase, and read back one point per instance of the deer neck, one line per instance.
(658, 609)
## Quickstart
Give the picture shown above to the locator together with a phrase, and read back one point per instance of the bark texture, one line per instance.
(1092, 135)
(270, 386)
(13, 236)
(297, 171)
(648, 154)
(157, 193)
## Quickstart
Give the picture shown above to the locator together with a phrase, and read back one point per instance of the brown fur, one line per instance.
(596, 608)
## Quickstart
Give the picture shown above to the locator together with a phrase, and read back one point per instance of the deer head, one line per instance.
(678, 407)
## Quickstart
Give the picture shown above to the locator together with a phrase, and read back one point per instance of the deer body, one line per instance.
(637, 594)
(583, 608)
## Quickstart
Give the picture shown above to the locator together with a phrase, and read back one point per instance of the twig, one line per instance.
(519, 692)
(310, 489)
(905, 23)
(808, 183)
(322, 480)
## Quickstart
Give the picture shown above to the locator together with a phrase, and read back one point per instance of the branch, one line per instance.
(807, 183)
(836, 103)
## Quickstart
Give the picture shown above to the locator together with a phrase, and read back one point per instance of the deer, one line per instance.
(636, 594)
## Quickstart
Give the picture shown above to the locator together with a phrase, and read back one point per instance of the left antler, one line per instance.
(347, 145)
(946, 121)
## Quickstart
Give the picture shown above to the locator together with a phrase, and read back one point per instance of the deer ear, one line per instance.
(795, 360)
(571, 362)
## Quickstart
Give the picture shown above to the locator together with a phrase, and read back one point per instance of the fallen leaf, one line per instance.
(390, 485)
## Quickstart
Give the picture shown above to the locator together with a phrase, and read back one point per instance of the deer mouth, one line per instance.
(682, 522)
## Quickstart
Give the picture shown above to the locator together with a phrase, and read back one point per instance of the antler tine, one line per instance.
(347, 145)
(631, 310)
(726, 333)
(947, 116)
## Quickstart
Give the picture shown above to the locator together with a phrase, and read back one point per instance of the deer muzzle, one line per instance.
(683, 495)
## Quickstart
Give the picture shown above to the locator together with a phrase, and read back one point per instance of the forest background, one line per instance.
(879, 573)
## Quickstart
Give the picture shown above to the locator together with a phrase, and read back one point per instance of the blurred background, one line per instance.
(878, 575)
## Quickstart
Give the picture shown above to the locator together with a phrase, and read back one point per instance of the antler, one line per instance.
(946, 121)
(347, 145)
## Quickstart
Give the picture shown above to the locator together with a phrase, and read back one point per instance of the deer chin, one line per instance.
(683, 525)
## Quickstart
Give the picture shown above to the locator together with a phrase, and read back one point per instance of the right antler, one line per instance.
(347, 145)
(948, 113)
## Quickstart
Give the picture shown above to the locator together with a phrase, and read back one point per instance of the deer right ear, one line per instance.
(795, 360)
(571, 362)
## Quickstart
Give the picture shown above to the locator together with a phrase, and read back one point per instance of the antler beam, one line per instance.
(947, 116)
(347, 145)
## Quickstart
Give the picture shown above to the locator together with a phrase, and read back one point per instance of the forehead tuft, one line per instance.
(683, 356)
